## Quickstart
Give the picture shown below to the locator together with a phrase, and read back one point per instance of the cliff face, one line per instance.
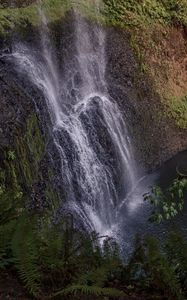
(157, 135)
(140, 85)
(27, 150)
(25, 145)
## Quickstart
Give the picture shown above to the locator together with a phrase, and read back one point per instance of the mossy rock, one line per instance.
(177, 109)
(34, 138)
(16, 3)
(121, 13)
(30, 150)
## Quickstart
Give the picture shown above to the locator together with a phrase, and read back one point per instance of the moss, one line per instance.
(21, 167)
(177, 109)
(30, 150)
(139, 53)
(34, 138)
(24, 163)
(52, 198)
(12, 18)
(10, 190)
(121, 13)
(132, 12)
(153, 47)
(10, 174)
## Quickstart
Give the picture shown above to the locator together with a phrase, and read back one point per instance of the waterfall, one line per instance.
(89, 131)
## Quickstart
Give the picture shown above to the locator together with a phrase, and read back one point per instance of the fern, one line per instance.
(151, 268)
(6, 232)
(176, 252)
(86, 290)
(97, 277)
(51, 251)
(24, 248)
(100, 276)
(162, 273)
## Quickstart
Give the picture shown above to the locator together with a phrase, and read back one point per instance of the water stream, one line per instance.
(98, 168)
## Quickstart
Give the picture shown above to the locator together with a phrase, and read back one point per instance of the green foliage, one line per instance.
(16, 236)
(106, 265)
(130, 12)
(30, 150)
(6, 233)
(52, 257)
(177, 109)
(177, 10)
(83, 290)
(122, 13)
(34, 138)
(176, 250)
(167, 204)
(12, 18)
(55, 255)
(56, 261)
(61, 246)
(24, 246)
(162, 273)
(151, 266)
(10, 203)
(11, 155)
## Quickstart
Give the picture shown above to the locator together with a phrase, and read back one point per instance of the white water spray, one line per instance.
(89, 131)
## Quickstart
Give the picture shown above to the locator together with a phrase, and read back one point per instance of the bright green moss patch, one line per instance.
(52, 197)
(11, 18)
(130, 12)
(122, 13)
(30, 149)
(34, 138)
(55, 9)
(24, 163)
(178, 111)
(10, 190)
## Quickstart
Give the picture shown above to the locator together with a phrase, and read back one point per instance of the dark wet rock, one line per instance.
(23, 130)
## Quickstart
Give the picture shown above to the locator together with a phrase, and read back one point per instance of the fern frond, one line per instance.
(51, 251)
(6, 232)
(90, 290)
(24, 248)
(97, 277)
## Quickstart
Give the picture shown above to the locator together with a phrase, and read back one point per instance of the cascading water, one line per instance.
(89, 131)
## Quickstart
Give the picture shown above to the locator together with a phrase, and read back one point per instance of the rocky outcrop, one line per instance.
(25, 144)
(156, 135)
(23, 128)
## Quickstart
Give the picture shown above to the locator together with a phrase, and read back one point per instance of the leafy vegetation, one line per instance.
(122, 13)
(57, 261)
(90, 290)
(150, 266)
(20, 17)
(129, 12)
(177, 109)
(169, 202)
